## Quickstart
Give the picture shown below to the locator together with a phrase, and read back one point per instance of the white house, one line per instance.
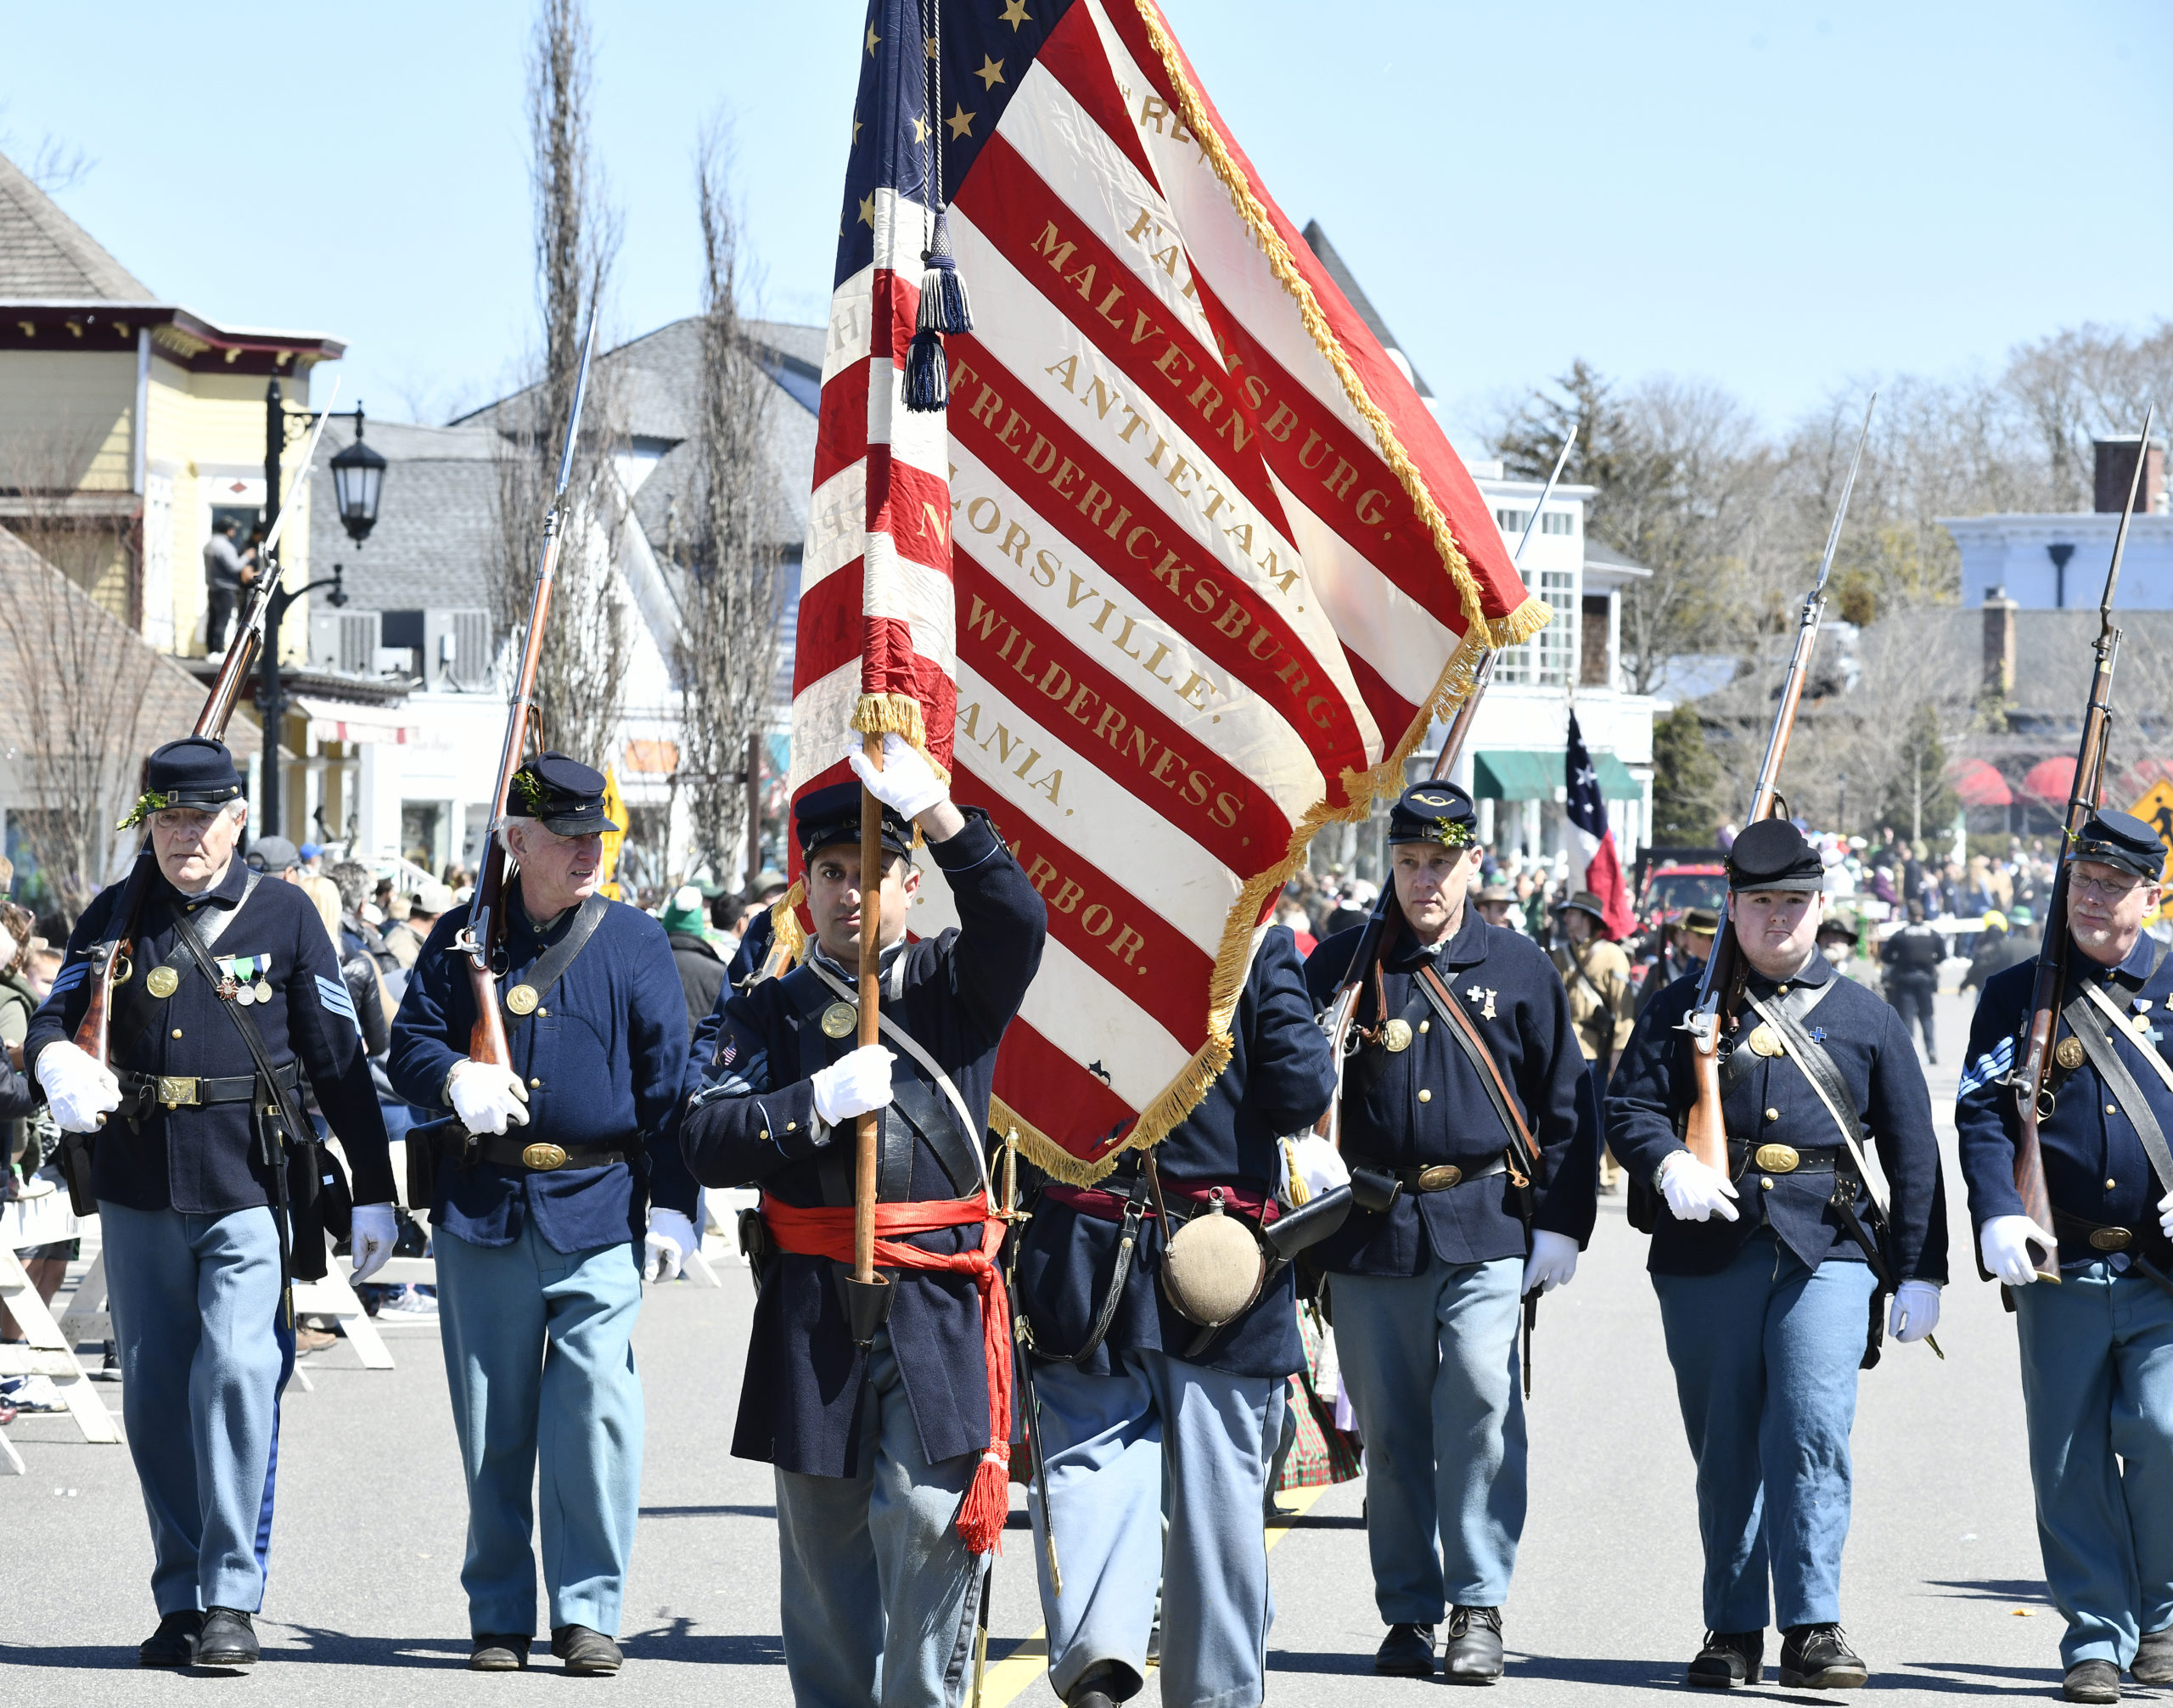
(2057, 562)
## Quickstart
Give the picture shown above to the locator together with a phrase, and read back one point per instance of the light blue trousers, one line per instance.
(1430, 1361)
(1766, 1354)
(2097, 1389)
(203, 1355)
(1158, 1436)
(539, 1356)
(879, 1596)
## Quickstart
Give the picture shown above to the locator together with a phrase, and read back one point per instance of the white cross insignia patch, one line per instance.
(1476, 994)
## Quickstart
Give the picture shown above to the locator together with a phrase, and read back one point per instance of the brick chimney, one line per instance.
(2116, 467)
(1999, 644)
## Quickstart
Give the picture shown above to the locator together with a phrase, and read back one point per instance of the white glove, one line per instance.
(2166, 1215)
(486, 1096)
(1914, 1312)
(370, 1241)
(1553, 1262)
(670, 1237)
(2004, 1245)
(854, 1084)
(1694, 1191)
(1310, 1167)
(77, 1089)
(906, 783)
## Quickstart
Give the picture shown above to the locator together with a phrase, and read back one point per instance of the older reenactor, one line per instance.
(1152, 1399)
(540, 1234)
(1458, 1125)
(2097, 1349)
(876, 1446)
(191, 1171)
(1767, 1273)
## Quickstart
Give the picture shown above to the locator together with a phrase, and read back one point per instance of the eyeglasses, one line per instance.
(2103, 889)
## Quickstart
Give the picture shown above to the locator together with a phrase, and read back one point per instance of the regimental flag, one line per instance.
(1185, 575)
(1587, 815)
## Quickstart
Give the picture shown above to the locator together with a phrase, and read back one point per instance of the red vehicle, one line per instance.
(1669, 881)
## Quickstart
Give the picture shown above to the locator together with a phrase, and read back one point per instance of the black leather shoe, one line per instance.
(174, 1643)
(2154, 1661)
(2091, 1681)
(1729, 1658)
(228, 1639)
(585, 1651)
(493, 1652)
(1472, 1654)
(1406, 1652)
(1817, 1657)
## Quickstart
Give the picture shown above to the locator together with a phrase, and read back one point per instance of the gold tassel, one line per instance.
(784, 921)
(898, 715)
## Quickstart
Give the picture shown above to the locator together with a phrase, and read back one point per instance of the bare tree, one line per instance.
(580, 683)
(729, 569)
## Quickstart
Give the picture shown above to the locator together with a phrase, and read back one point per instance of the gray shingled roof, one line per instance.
(1347, 283)
(436, 528)
(45, 256)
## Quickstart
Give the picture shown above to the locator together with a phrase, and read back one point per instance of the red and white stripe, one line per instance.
(1161, 598)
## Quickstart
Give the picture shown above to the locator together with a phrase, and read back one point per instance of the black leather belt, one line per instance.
(1787, 1159)
(540, 1157)
(1438, 1176)
(2109, 1236)
(191, 1091)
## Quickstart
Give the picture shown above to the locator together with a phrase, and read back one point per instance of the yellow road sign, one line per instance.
(2155, 809)
(614, 809)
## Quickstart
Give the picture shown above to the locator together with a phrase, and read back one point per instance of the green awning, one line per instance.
(1524, 774)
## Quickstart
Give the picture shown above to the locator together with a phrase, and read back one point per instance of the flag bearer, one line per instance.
(1767, 1274)
(891, 1458)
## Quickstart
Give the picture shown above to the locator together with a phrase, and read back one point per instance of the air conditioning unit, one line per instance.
(343, 641)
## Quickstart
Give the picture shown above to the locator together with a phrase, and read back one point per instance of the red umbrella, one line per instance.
(2050, 779)
(1979, 784)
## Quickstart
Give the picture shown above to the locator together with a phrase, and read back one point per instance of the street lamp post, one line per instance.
(358, 479)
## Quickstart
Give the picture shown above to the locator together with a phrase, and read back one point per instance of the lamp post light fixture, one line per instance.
(358, 477)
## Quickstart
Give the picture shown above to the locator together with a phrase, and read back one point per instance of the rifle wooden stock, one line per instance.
(1705, 1127)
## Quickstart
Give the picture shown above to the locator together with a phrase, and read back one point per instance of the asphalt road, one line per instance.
(1942, 1587)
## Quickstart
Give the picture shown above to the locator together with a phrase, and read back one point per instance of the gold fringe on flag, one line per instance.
(1254, 214)
(784, 921)
(899, 715)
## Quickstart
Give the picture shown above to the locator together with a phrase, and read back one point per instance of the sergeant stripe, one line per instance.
(335, 997)
(1991, 1065)
(68, 978)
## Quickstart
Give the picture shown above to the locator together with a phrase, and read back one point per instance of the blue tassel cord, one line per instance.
(943, 304)
(928, 380)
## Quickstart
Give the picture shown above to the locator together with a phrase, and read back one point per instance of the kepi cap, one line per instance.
(2123, 840)
(195, 772)
(562, 794)
(827, 816)
(1437, 812)
(1773, 855)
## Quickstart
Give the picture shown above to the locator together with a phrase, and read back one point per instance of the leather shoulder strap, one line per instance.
(2115, 1072)
(143, 1010)
(551, 965)
(1824, 1077)
(1523, 1153)
(299, 1131)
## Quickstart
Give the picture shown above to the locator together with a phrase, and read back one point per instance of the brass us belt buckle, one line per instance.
(1440, 1177)
(2111, 1238)
(174, 1093)
(1778, 1159)
(543, 1158)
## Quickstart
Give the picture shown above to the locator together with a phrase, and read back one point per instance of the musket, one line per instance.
(116, 964)
(1720, 994)
(1339, 1019)
(2035, 1047)
(478, 941)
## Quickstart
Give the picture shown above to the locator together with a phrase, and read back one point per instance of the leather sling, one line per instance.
(551, 965)
(1523, 1152)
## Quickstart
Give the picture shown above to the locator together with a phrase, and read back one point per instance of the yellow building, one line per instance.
(129, 424)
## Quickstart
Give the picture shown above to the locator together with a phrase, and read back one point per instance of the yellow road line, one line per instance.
(1007, 1677)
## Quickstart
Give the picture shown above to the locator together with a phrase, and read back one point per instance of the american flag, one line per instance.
(1586, 812)
(1184, 575)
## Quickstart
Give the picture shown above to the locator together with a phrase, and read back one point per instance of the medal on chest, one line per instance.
(245, 979)
(839, 1020)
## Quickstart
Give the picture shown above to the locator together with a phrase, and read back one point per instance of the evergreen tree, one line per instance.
(1686, 781)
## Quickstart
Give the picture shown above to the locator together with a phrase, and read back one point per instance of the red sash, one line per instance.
(827, 1233)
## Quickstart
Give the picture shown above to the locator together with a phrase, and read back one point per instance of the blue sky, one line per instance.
(1780, 198)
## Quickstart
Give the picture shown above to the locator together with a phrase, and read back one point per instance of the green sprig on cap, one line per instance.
(149, 802)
